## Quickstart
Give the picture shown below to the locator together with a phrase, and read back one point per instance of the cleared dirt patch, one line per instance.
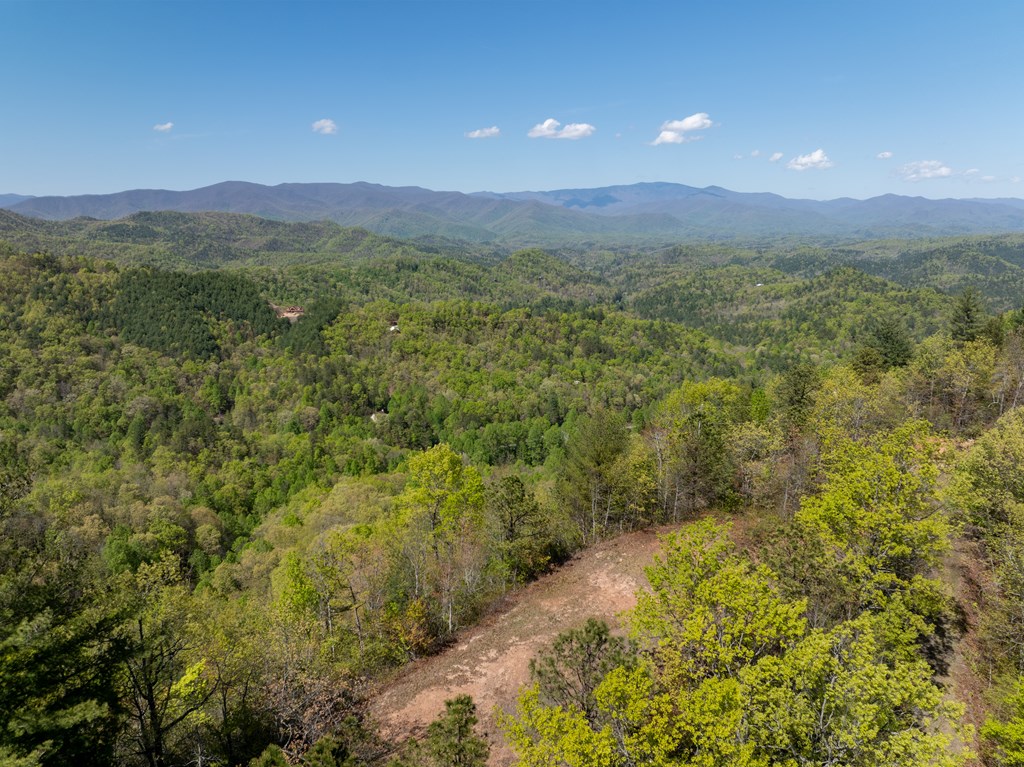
(964, 679)
(491, 660)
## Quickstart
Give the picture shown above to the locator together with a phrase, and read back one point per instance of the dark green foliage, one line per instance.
(869, 363)
(886, 344)
(578, 660)
(59, 648)
(994, 265)
(169, 311)
(306, 335)
(588, 476)
(328, 752)
(968, 316)
(796, 393)
(273, 756)
(413, 421)
(241, 729)
(764, 309)
(58, 700)
(59, 652)
(452, 740)
(14, 482)
(208, 240)
(520, 522)
(889, 337)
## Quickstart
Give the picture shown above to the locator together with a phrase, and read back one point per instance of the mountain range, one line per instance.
(642, 213)
(7, 200)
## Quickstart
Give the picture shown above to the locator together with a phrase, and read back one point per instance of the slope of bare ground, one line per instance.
(490, 661)
(963, 680)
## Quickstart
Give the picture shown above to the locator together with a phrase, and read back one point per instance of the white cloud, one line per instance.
(576, 130)
(989, 179)
(325, 127)
(699, 121)
(493, 132)
(674, 137)
(884, 155)
(971, 172)
(816, 159)
(756, 153)
(163, 127)
(675, 131)
(737, 157)
(776, 156)
(923, 170)
(551, 128)
(546, 129)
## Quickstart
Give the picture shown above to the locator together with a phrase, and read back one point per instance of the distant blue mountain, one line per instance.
(7, 200)
(647, 212)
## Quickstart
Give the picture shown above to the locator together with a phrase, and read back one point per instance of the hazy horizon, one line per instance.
(512, 191)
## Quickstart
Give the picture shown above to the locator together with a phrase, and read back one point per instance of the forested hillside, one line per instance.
(221, 529)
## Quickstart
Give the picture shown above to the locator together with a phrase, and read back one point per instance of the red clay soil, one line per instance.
(490, 661)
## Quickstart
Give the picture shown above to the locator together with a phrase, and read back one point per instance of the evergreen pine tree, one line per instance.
(968, 316)
(451, 740)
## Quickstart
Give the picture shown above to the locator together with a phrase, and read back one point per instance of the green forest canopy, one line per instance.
(219, 525)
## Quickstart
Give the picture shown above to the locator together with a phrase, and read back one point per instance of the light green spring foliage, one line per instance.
(293, 587)
(988, 489)
(441, 524)
(222, 454)
(988, 486)
(846, 406)
(838, 697)
(731, 676)
(696, 419)
(873, 531)
(1004, 735)
(168, 681)
(710, 612)
(661, 724)
(443, 496)
(548, 736)
(9, 758)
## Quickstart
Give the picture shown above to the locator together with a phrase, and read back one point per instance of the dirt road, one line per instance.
(491, 660)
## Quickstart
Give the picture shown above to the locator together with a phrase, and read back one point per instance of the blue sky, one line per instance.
(805, 99)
